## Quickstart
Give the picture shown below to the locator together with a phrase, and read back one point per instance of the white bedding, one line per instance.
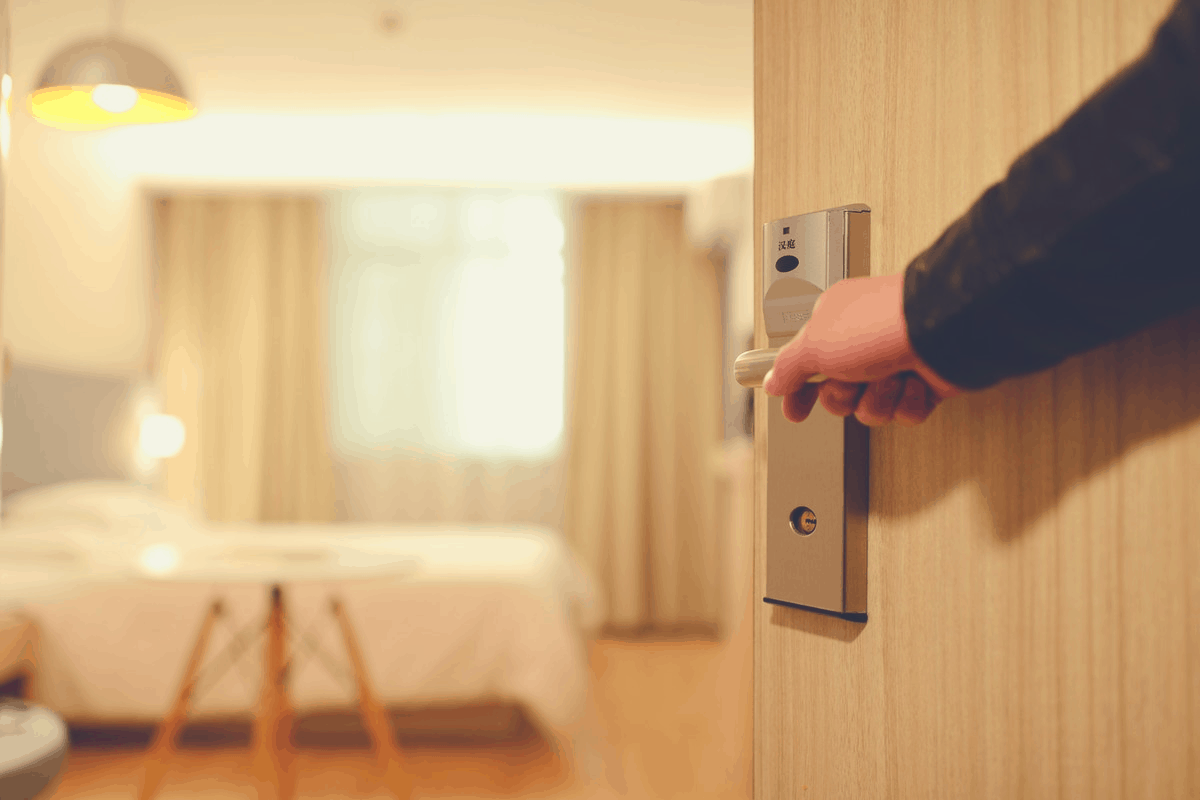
(445, 614)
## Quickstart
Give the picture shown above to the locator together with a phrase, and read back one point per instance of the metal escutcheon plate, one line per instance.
(817, 483)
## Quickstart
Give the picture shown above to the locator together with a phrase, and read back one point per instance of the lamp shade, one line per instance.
(100, 83)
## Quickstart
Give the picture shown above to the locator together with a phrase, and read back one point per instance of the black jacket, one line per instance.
(1091, 236)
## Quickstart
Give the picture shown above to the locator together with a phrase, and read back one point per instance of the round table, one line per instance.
(37, 564)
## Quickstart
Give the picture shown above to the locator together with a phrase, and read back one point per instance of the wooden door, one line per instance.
(1033, 593)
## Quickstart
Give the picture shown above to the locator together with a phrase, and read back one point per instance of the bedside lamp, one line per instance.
(161, 436)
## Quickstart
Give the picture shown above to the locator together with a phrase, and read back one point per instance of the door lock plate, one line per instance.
(817, 483)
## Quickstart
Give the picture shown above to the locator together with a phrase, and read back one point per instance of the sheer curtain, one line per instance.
(645, 414)
(240, 284)
(447, 311)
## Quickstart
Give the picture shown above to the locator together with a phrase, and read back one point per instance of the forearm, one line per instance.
(1086, 240)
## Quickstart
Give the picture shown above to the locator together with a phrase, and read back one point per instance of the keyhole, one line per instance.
(803, 520)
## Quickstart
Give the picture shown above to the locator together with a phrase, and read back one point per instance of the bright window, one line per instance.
(447, 324)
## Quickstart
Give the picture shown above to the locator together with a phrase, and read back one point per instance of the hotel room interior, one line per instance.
(372, 432)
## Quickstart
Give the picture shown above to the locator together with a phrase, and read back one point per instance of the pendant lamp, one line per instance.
(108, 81)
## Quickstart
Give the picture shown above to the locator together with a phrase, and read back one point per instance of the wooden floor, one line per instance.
(676, 714)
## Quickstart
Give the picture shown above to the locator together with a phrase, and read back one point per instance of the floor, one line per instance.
(677, 716)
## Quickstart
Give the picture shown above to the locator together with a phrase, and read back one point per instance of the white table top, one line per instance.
(47, 566)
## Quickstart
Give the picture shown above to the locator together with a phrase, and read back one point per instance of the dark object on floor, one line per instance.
(451, 726)
(33, 749)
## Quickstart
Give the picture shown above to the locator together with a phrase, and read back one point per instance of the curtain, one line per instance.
(645, 416)
(241, 288)
(451, 490)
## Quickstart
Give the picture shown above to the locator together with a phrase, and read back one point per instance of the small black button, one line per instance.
(787, 263)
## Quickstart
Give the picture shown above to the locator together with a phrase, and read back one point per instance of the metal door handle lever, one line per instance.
(751, 368)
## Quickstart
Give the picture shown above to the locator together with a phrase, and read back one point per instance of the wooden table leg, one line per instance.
(273, 754)
(162, 749)
(20, 648)
(389, 760)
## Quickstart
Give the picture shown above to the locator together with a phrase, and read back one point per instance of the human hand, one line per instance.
(858, 339)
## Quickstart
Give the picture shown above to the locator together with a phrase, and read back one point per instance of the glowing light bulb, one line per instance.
(115, 98)
(161, 436)
(160, 559)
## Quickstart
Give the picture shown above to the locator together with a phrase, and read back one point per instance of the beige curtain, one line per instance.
(241, 289)
(645, 414)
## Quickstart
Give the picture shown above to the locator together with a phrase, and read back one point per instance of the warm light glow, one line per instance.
(508, 343)
(464, 148)
(114, 98)
(384, 354)
(5, 115)
(423, 215)
(450, 343)
(160, 559)
(484, 219)
(161, 436)
(509, 334)
(78, 107)
(532, 225)
(384, 221)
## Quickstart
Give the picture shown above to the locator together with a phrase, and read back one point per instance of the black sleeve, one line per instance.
(1090, 237)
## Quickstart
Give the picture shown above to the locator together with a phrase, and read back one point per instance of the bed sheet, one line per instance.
(481, 613)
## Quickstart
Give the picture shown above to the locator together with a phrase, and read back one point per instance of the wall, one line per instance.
(76, 283)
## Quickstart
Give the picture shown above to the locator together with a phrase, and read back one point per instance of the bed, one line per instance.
(118, 582)
(446, 615)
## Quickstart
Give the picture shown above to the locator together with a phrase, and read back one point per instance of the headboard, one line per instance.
(63, 426)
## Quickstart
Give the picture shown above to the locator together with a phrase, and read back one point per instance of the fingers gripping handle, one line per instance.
(802, 257)
(751, 368)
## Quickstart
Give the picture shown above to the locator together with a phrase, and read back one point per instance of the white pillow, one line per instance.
(109, 504)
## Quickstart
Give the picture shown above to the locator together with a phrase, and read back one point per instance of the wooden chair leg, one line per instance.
(162, 748)
(389, 760)
(272, 768)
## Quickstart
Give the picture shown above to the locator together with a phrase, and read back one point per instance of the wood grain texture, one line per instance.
(1033, 549)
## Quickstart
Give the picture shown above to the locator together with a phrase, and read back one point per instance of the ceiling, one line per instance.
(346, 99)
(649, 95)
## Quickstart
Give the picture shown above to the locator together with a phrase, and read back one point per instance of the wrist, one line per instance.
(942, 387)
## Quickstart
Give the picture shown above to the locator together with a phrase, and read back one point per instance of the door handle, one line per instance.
(750, 368)
(816, 471)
